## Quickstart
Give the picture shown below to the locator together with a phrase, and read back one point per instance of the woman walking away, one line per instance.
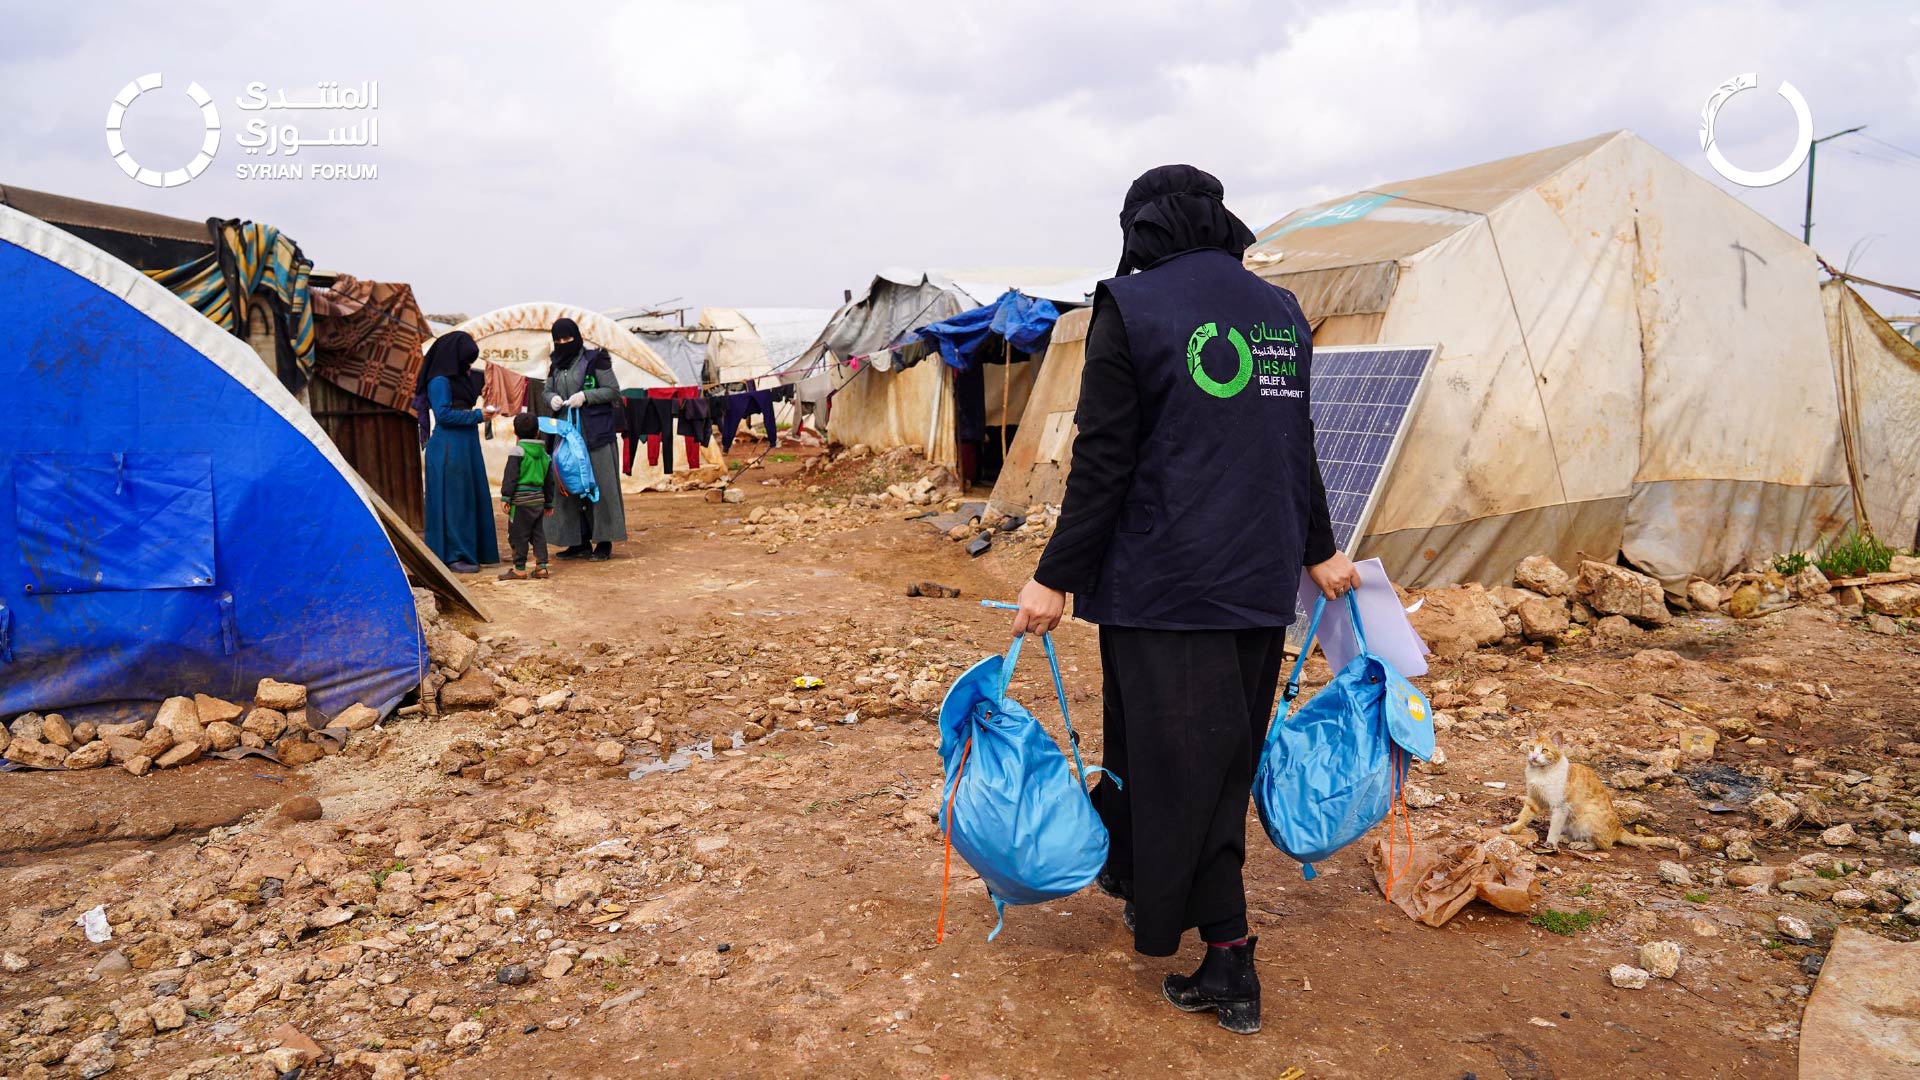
(1194, 500)
(581, 386)
(459, 507)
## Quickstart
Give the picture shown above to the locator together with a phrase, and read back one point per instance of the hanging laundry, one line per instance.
(740, 408)
(696, 426)
(505, 390)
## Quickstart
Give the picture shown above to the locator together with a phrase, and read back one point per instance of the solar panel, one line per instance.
(1361, 396)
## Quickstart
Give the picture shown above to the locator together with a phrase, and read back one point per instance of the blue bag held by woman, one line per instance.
(570, 458)
(1019, 816)
(1333, 770)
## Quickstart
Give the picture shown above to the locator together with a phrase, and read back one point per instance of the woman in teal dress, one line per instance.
(459, 510)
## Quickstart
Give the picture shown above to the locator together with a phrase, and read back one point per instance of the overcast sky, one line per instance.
(774, 154)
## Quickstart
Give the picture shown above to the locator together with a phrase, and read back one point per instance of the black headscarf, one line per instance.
(564, 355)
(1174, 209)
(452, 356)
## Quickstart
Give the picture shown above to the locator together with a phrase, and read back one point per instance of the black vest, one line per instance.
(1215, 524)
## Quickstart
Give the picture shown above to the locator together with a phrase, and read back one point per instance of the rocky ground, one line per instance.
(636, 838)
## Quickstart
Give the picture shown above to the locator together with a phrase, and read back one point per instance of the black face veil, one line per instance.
(564, 355)
(1174, 209)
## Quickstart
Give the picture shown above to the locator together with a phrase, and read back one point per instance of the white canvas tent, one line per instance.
(520, 338)
(883, 405)
(1632, 362)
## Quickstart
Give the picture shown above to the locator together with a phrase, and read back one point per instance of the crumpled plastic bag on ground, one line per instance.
(1433, 883)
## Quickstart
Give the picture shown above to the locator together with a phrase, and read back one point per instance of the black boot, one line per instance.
(602, 551)
(1226, 983)
(1119, 889)
(576, 551)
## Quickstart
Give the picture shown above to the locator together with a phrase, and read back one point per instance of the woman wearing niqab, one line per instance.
(581, 387)
(460, 526)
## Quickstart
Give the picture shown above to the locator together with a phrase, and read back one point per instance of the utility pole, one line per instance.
(1806, 228)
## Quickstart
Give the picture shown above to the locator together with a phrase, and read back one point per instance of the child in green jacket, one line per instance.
(527, 487)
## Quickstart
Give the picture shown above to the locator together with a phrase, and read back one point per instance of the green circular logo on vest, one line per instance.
(1204, 333)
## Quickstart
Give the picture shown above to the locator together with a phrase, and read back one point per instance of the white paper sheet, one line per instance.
(1389, 635)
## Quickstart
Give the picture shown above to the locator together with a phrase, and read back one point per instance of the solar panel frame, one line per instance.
(1363, 437)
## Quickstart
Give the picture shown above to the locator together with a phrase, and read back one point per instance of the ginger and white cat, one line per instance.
(1576, 804)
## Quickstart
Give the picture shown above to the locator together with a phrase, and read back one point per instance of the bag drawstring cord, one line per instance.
(946, 868)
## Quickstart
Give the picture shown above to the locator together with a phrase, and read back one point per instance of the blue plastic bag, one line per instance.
(570, 459)
(1017, 814)
(1334, 770)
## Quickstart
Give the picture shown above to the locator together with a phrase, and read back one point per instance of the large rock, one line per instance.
(1703, 596)
(57, 731)
(181, 719)
(28, 726)
(91, 756)
(295, 751)
(1458, 620)
(1616, 590)
(452, 650)
(1542, 575)
(183, 753)
(1809, 582)
(269, 724)
(134, 730)
(119, 749)
(37, 754)
(222, 735)
(356, 718)
(214, 710)
(474, 690)
(156, 741)
(280, 696)
(1899, 598)
(1543, 619)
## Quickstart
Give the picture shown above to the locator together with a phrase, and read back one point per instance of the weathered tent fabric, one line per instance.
(1591, 302)
(1877, 371)
(882, 410)
(254, 263)
(520, 339)
(369, 339)
(908, 407)
(184, 526)
(1042, 451)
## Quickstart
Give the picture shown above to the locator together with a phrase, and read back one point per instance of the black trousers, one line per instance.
(1185, 714)
(528, 525)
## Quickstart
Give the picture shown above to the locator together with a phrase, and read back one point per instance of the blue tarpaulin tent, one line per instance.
(171, 520)
(1023, 321)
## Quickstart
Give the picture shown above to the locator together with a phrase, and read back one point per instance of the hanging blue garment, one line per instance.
(1332, 771)
(570, 458)
(1011, 806)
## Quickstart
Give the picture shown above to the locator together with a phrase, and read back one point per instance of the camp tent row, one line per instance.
(1632, 362)
(884, 396)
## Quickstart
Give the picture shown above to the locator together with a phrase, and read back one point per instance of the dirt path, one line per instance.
(776, 904)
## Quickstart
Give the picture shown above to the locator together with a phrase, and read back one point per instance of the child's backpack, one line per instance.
(570, 459)
(1335, 769)
(1019, 816)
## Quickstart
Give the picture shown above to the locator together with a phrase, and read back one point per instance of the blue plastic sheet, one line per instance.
(108, 522)
(164, 528)
(1025, 322)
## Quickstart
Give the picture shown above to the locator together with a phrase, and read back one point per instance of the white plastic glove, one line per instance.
(578, 399)
(556, 401)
